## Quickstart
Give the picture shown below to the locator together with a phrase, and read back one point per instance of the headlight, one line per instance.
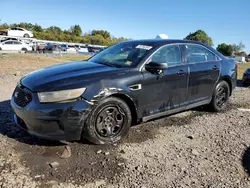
(56, 96)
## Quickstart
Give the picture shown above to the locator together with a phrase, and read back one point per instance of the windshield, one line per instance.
(127, 54)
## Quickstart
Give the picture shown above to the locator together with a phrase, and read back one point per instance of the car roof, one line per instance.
(161, 42)
(165, 41)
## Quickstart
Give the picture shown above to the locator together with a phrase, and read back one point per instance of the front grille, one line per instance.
(22, 98)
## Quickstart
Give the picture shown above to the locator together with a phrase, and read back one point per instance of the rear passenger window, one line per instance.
(9, 42)
(196, 54)
(168, 54)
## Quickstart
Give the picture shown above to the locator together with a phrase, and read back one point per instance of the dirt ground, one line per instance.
(190, 149)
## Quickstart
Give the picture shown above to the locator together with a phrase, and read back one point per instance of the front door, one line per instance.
(166, 89)
(204, 67)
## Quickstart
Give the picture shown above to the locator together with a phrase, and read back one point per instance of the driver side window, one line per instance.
(168, 54)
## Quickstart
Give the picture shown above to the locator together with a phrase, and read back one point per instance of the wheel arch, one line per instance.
(229, 82)
(131, 104)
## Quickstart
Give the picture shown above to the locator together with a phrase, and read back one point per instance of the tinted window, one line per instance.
(168, 54)
(15, 42)
(196, 54)
(8, 42)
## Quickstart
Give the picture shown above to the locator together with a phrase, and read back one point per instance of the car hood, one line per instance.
(66, 76)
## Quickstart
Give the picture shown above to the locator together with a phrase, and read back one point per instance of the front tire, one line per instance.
(220, 97)
(109, 122)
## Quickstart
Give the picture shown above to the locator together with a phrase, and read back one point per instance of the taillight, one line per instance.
(236, 65)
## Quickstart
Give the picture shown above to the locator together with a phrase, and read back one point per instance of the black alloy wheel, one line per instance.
(108, 122)
(220, 97)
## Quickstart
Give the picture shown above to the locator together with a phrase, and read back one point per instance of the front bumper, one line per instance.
(56, 121)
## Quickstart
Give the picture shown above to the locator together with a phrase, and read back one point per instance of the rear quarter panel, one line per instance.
(229, 71)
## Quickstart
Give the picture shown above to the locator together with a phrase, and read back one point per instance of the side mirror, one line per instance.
(155, 66)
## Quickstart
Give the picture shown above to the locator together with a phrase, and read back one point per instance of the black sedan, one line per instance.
(125, 84)
(246, 78)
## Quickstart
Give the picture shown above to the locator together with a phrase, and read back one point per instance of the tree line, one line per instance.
(102, 37)
(73, 34)
(225, 49)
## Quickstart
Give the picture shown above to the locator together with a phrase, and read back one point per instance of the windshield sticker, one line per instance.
(128, 62)
(144, 47)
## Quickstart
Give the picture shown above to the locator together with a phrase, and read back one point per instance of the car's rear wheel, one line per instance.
(24, 50)
(108, 122)
(26, 35)
(220, 97)
(0, 48)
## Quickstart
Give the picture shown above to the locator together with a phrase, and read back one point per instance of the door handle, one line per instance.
(180, 72)
(215, 67)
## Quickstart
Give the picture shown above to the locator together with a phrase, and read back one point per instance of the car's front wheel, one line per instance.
(220, 97)
(108, 122)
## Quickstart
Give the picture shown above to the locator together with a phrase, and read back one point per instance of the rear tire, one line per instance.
(220, 97)
(24, 50)
(109, 122)
(26, 36)
(0, 48)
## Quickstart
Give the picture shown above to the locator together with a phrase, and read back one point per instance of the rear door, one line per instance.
(17, 45)
(204, 68)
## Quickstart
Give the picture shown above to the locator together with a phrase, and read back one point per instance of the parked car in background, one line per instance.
(247, 59)
(64, 47)
(94, 49)
(41, 47)
(50, 47)
(13, 45)
(71, 48)
(77, 47)
(246, 78)
(83, 49)
(128, 83)
(9, 38)
(19, 32)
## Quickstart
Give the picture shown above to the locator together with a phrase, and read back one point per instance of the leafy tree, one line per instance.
(37, 28)
(103, 33)
(238, 48)
(76, 30)
(74, 34)
(225, 49)
(200, 36)
(55, 30)
(231, 49)
(4, 26)
(242, 54)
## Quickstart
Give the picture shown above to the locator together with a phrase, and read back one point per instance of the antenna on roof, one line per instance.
(161, 36)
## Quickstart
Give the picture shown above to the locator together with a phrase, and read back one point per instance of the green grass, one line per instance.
(74, 57)
(242, 68)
